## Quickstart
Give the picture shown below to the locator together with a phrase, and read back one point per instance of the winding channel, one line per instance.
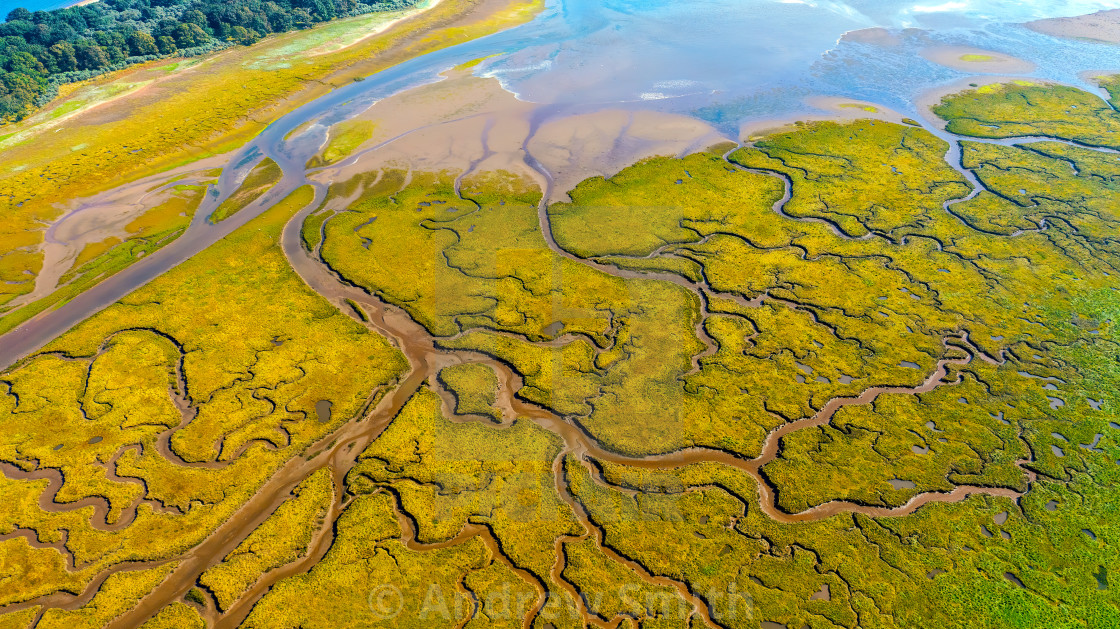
(426, 358)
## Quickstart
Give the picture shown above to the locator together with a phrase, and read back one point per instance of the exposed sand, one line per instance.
(849, 108)
(875, 36)
(1100, 26)
(470, 124)
(602, 143)
(1094, 78)
(835, 108)
(452, 125)
(104, 216)
(969, 59)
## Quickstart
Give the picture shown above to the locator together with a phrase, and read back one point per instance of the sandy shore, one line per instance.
(1101, 26)
(470, 124)
(875, 36)
(969, 59)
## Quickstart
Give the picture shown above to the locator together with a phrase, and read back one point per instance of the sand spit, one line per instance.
(876, 36)
(1100, 26)
(969, 59)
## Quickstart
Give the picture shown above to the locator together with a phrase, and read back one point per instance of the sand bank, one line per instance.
(969, 59)
(105, 217)
(469, 124)
(875, 36)
(1100, 26)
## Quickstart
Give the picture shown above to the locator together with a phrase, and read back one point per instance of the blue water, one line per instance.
(32, 5)
(724, 61)
(727, 61)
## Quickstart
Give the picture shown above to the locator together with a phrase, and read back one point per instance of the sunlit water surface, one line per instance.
(730, 61)
(726, 60)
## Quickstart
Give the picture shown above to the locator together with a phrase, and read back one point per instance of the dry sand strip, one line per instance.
(1100, 26)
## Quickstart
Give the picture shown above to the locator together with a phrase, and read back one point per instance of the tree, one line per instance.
(91, 56)
(22, 92)
(301, 18)
(165, 44)
(24, 63)
(114, 44)
(321, 10)
(196, 17)
(64, 55)
(189, 35)
(243, 36)
(19, 14)
(142, 44)
(278, 20)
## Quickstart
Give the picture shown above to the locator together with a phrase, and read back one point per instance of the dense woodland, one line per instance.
(43, 49)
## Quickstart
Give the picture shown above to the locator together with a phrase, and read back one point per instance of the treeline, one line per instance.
(41, 50)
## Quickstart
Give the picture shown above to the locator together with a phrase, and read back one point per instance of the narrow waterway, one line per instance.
(426, 359)
(567, 30)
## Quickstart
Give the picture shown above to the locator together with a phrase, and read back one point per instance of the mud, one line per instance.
(426, 359)
(493, 144)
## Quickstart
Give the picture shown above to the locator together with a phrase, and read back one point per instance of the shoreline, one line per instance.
(1102, 26)
(818, 109)
(925, 101)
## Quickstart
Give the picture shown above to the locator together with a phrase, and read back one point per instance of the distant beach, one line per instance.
(1101, 26)
(39, 5)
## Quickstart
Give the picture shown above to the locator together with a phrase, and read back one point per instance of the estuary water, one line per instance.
(732, 61)
(728, 60)
(33, 5)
